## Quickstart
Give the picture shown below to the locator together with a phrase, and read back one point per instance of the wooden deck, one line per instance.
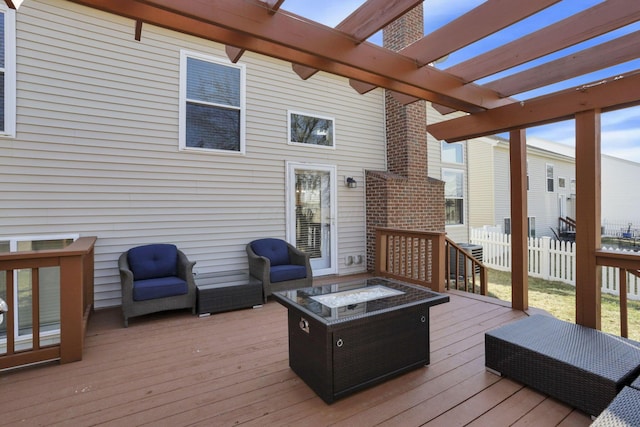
(232, 369)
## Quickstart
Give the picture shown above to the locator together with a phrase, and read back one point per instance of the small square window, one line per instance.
(311, 129)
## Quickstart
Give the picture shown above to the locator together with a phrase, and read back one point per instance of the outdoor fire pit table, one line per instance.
(345, 337)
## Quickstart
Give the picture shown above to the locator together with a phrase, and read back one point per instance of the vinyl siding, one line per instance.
(619, 201)
(541, 204)
(482, 191)
(97, 153)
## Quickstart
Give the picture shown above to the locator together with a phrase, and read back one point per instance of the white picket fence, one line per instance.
(549, 259)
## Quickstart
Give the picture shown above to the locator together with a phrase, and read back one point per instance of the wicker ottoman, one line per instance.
(624, 411)
(580, 366)
(228, 290)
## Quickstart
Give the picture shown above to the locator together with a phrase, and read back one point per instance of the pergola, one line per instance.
(265, 27)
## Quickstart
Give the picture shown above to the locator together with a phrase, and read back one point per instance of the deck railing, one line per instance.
(76, 266)
(463, 271)
(411, 256)
(627, 264)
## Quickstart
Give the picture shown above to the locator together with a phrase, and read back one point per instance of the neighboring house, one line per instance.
(113, 138)
(551, 185)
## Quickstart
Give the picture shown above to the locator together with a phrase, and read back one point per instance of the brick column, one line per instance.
(404, 197)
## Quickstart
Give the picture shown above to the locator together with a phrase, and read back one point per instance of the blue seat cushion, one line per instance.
(275, 249)
(158, 288)
(281, 273)
(152, 261)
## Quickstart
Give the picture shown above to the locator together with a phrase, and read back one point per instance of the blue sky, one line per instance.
(620, 129)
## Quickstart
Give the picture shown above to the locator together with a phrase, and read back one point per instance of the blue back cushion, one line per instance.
(152, 261)
(274, 249)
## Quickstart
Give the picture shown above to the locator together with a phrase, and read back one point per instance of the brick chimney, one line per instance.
(404, 197)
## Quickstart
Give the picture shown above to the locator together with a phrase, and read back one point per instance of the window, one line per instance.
(531, 226)
(7, 71)
(212, 116)
(452, 153)
(561, 183)
(310, 129)
(49, 285)
(550, 178)
(453, 196)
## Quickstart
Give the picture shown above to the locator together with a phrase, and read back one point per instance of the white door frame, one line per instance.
(291, 167)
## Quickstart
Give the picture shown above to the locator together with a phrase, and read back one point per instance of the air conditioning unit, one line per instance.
(474, 250)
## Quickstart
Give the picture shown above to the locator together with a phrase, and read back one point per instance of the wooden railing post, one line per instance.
(71, 309)
(438, 267)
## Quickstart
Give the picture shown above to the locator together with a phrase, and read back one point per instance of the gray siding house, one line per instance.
(117, 138)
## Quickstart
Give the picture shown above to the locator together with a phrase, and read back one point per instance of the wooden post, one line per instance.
(588, 223)
(439, 267)
(519, 249)
(71, 309)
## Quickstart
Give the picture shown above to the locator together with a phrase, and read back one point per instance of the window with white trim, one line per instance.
(212, 104)
(7, 71)
(453, 196)
(550, 178)
(310, 129)
(452, 152)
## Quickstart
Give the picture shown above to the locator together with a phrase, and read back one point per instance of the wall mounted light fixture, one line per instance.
(350, 182)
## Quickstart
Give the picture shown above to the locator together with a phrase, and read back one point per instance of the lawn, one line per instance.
(559, 299)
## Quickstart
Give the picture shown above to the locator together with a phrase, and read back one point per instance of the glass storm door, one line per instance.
(311, 214)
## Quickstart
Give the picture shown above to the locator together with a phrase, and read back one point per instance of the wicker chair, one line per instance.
(155, 278)
(279, 265)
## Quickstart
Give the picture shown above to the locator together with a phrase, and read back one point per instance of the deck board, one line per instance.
(232, 369)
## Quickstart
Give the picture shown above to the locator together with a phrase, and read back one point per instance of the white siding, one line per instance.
(96, 151)
(482, 193)
(542, 205)
(620, 203)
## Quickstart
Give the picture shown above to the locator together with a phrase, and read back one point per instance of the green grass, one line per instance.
(559, 299)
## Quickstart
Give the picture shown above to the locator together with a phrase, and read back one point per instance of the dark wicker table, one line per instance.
(228, 290)
(624, 411)
(346, 337)
(580, 366)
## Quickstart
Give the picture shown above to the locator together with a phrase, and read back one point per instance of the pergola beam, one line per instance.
(600, 19)
(606, 95)
(611, 53)
(292, 38)
(484, 20)
(369, 18)
(235, 53)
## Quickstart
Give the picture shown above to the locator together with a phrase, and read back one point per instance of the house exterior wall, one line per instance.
(482, 181)
(542, 205)
(96, 151)
(620, 203)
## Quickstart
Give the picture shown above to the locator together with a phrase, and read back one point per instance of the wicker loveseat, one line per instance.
(155, 278)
